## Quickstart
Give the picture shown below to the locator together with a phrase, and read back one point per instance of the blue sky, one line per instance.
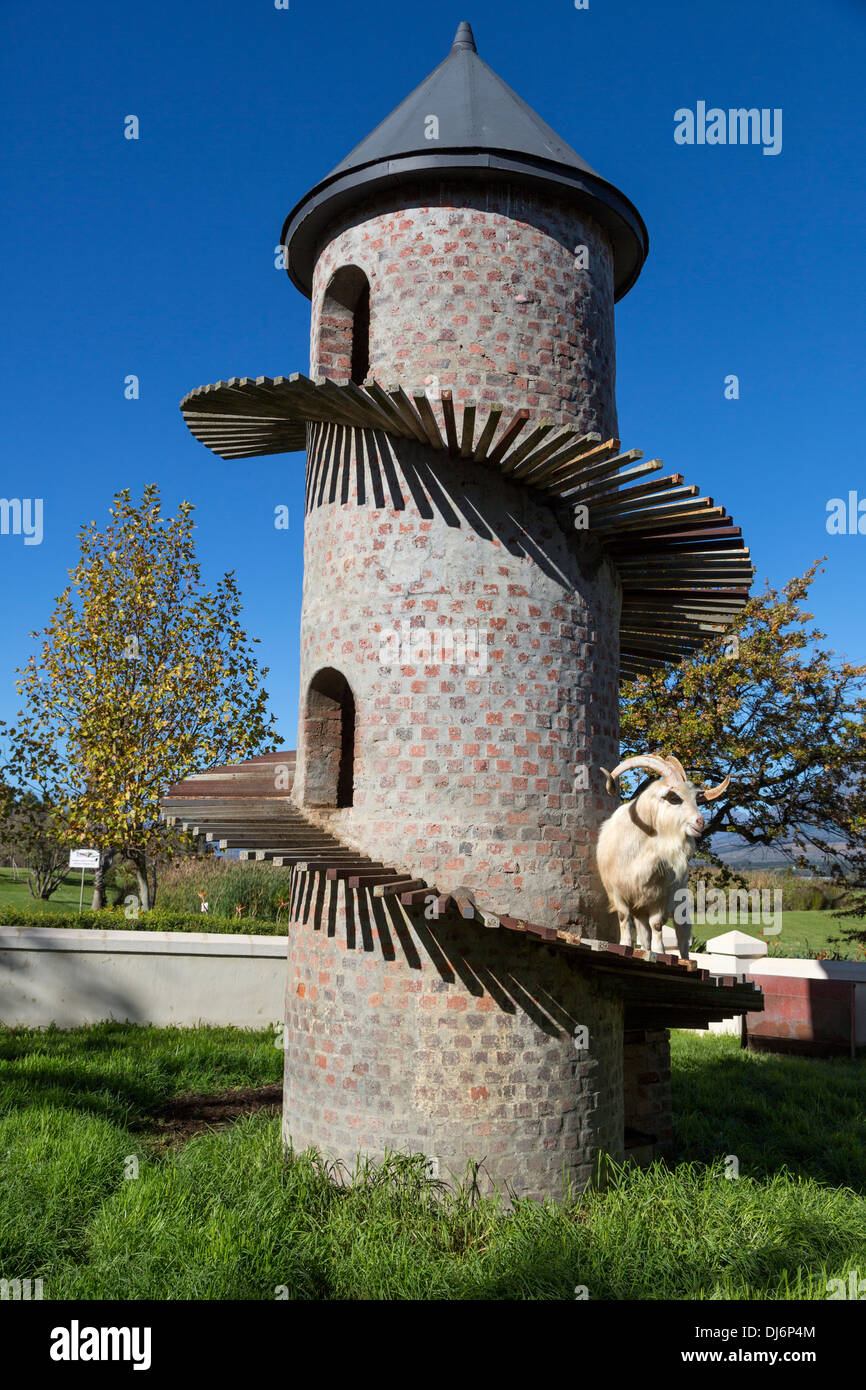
(156, 257)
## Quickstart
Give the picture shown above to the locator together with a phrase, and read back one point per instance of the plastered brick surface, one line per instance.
(647, 1086)
(480, 288)
(483, 773)
(441, 1038)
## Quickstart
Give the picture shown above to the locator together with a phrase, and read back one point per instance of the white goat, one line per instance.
(644, 848)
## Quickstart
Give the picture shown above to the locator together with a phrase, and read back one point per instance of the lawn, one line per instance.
(814, 931)
(223, 1216)
(801, 932)
(64, 899)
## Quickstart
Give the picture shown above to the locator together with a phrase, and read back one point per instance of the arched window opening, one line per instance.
(361, 337)
(330, 740)
(344, 327)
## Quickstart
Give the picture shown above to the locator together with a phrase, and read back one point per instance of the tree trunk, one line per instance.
(143, 887)
(42, 883)
(105, 862)
(40, 886)
(98, 899)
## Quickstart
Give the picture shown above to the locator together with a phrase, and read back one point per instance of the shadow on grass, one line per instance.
(770, 1111)
(126, 1072)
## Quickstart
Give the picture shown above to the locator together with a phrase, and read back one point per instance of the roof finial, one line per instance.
(464, 38)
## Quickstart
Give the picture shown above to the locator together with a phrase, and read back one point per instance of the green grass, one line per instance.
(226, 1217)
(65, 899)
(770, 1110)
(260, 888)
(813, 931)
(801, 932)
(121, 1071)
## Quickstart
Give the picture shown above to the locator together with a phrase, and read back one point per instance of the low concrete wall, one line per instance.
(736, 953)
(69, 977)
(843, 971)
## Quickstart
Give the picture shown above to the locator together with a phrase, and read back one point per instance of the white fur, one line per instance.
(643, 856)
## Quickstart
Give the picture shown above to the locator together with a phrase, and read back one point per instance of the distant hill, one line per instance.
(738, 854)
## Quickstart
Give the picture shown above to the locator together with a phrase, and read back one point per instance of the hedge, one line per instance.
(157, 919)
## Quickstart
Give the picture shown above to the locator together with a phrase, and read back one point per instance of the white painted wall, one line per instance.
(736, 953)
(70, 977)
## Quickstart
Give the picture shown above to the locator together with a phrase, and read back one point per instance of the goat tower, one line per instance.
(482, 564)
(464, 252)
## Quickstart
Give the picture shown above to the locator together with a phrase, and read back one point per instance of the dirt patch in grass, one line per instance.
(178, 1120)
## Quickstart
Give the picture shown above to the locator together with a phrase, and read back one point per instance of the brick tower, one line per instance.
(462, 247)
(481, 566)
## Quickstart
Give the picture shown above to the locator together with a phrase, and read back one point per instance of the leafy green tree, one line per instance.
(769, 704)
(29, 830)
(143, 677)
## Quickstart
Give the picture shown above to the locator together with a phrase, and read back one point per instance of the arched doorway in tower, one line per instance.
(343, 348)
(329, 740)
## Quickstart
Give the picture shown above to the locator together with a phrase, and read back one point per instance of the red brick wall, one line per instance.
(323, 728)
(441, 1038)
(647, 1090)
(479, 288)
(463, 775)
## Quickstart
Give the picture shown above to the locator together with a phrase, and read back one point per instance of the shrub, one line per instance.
(260, 889)
(836, 949)
(799, 894)
(157, 919)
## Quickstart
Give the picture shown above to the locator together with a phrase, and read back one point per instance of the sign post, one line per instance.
(83, 859)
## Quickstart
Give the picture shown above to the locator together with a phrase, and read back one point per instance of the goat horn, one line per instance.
(649, 760)
(711, 793)
(677, 766)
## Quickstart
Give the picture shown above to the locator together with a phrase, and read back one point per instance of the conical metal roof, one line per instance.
(485, 131)
(476, 110)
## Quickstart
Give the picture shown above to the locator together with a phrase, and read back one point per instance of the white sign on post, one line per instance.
(84, 859)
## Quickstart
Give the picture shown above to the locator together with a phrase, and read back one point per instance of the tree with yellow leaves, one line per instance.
(143, 678)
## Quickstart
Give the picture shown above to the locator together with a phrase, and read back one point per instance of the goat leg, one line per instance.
(626, 927)
(643, 932)
(657, 921)
(683, 928)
